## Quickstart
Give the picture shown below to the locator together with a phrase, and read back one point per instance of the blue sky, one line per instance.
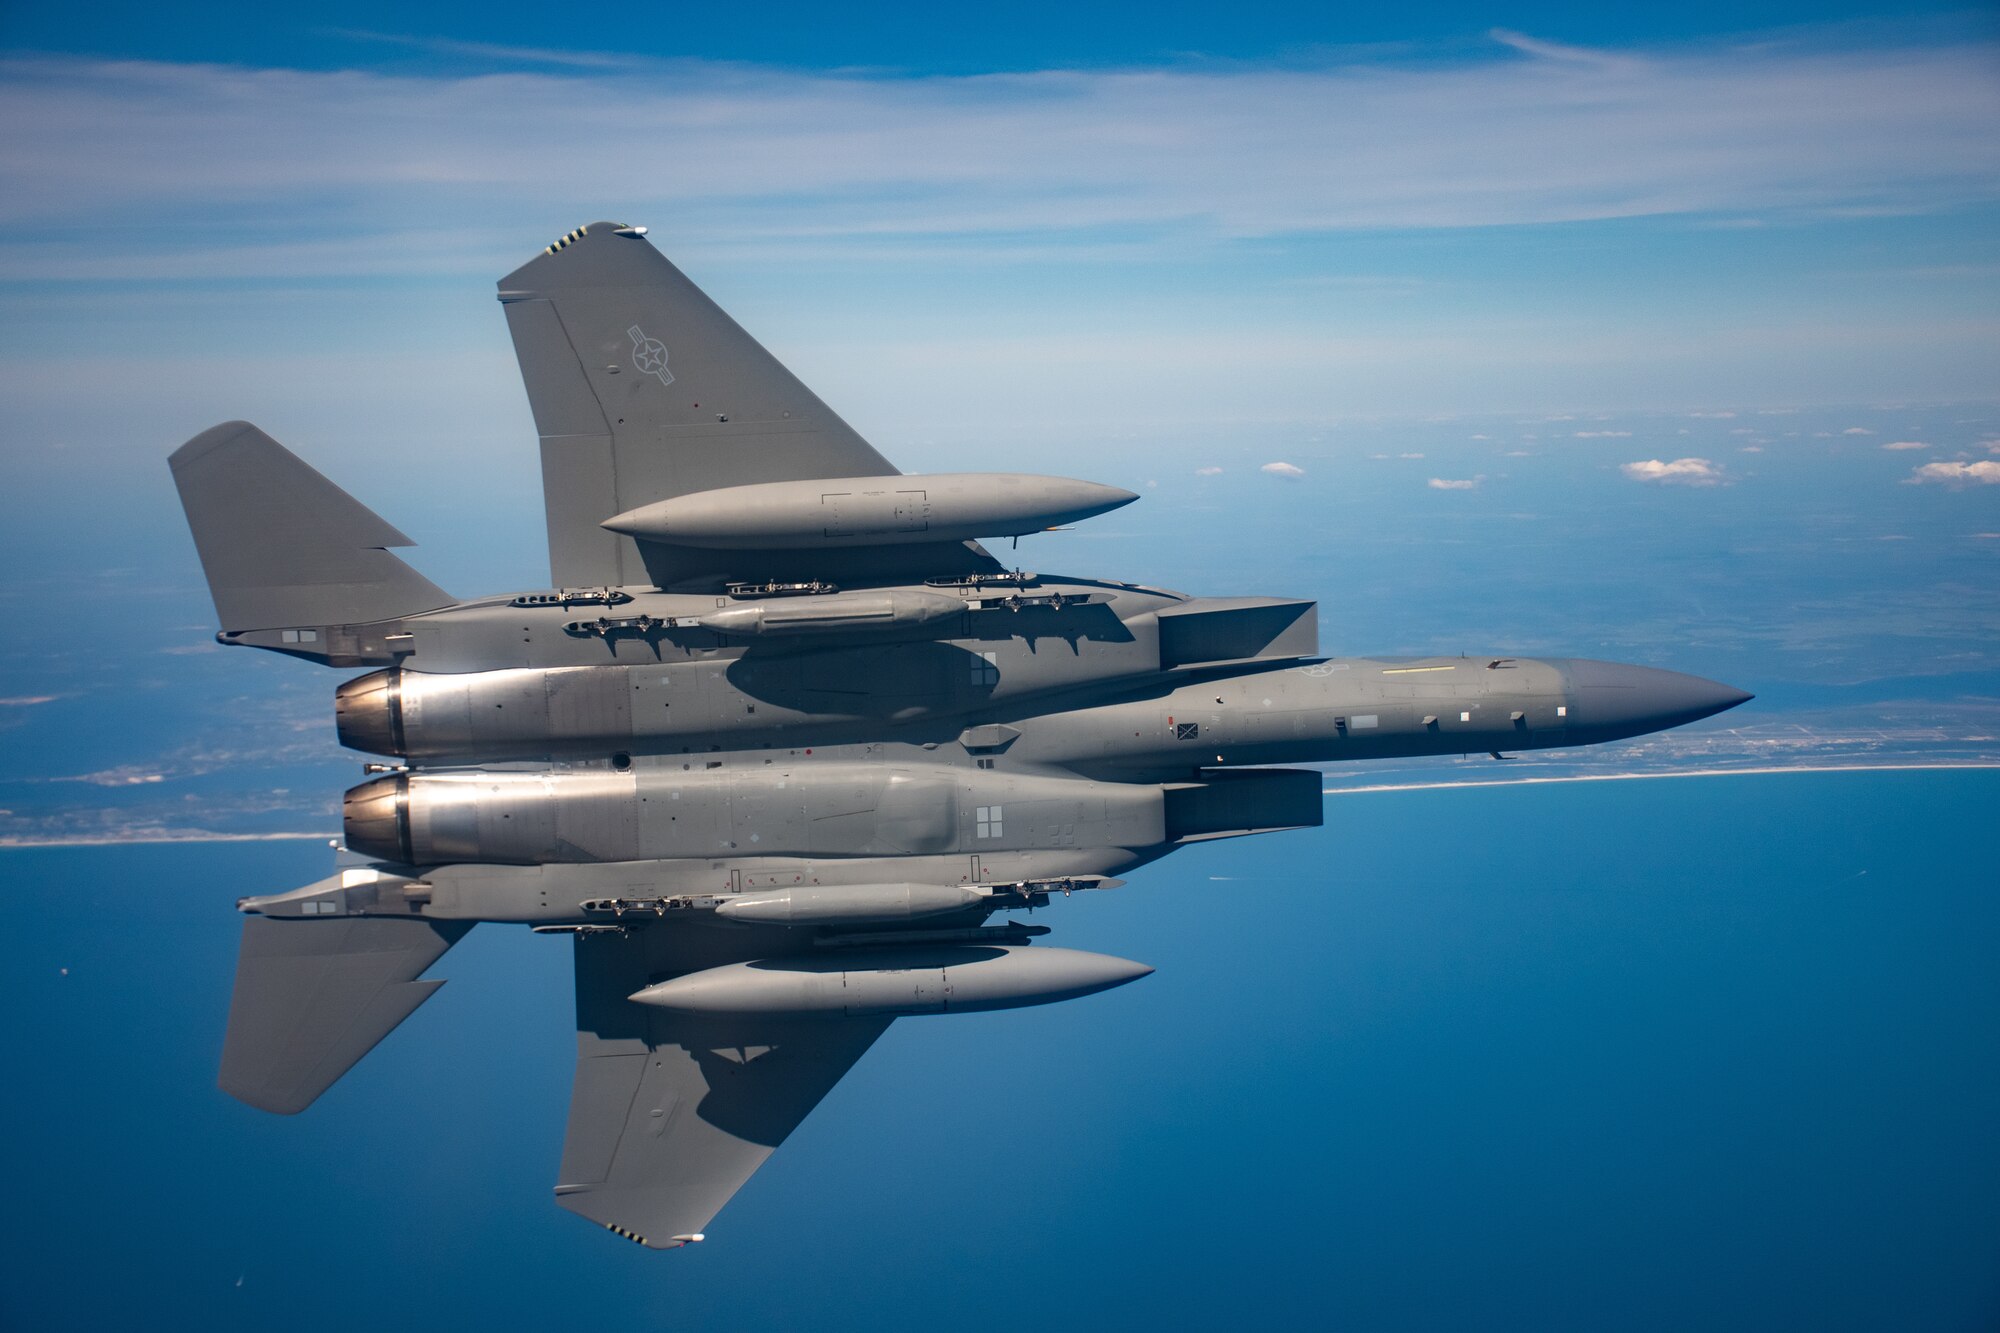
(1028, 219)
(1669, 333)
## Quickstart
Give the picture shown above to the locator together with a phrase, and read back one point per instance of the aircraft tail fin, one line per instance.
(643, 389)
(314, 995)
(282, 545)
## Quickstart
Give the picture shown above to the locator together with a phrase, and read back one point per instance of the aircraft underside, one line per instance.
(784, 748)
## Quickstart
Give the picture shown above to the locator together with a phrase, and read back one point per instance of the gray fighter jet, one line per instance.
(778, 745)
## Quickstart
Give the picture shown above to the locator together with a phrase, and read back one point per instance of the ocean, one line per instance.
(1710, 1052)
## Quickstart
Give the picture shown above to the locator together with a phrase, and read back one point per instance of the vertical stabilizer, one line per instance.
(643, 390)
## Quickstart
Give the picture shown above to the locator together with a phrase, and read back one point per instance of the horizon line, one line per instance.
(1680, 773)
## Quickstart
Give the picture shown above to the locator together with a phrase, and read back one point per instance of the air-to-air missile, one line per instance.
(777, 744)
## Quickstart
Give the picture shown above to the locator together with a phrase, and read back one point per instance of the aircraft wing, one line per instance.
(315, 994)
(671, 1113)
(643, 390)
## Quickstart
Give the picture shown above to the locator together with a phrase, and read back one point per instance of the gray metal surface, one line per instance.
(314, 994)
(643, 389)
(784, 763)
(915, 979)
(284, 547)
(671, 1112)
(869, 511)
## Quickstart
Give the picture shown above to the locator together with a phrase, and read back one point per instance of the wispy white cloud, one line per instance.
(1857, 430)
(28, 700)
(349, 170)
(127, 837)
(1747, 770)
(1447, 484)
(1983, 473)
(494, 51)
(1289, 471)
(1208, 472)
(1604, 435)
(1543, 49)
(1679, 472)
(1904, 446)
(127, 775)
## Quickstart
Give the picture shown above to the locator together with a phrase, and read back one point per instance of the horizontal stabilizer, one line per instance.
(671, 1113)
(314, 995)
(282, 546)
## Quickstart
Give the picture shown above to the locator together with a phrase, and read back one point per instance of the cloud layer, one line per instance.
(436, 165)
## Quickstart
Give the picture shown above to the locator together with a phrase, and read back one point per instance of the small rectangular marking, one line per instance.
(1364, 720)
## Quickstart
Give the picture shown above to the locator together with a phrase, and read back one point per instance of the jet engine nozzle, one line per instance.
(368, 713)
(376, 818)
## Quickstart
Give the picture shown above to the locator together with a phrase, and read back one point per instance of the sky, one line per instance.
(1026, 219)
(1663, 333)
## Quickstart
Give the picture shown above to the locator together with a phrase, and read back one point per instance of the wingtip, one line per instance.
(207, 441)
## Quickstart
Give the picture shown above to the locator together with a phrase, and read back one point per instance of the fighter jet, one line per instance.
(782, 745)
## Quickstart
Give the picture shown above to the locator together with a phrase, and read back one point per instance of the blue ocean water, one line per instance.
(1643, 1054)
(1711, 1052)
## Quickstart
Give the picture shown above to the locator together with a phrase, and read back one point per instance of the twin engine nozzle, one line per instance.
(375, 819)
(368, 713)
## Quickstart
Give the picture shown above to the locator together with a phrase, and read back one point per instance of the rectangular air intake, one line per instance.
(1233, 629)
(1230, 802)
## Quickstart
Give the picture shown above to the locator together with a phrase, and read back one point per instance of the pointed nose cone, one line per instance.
(1614, 700)
(1126, 971)
(1079, 500)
